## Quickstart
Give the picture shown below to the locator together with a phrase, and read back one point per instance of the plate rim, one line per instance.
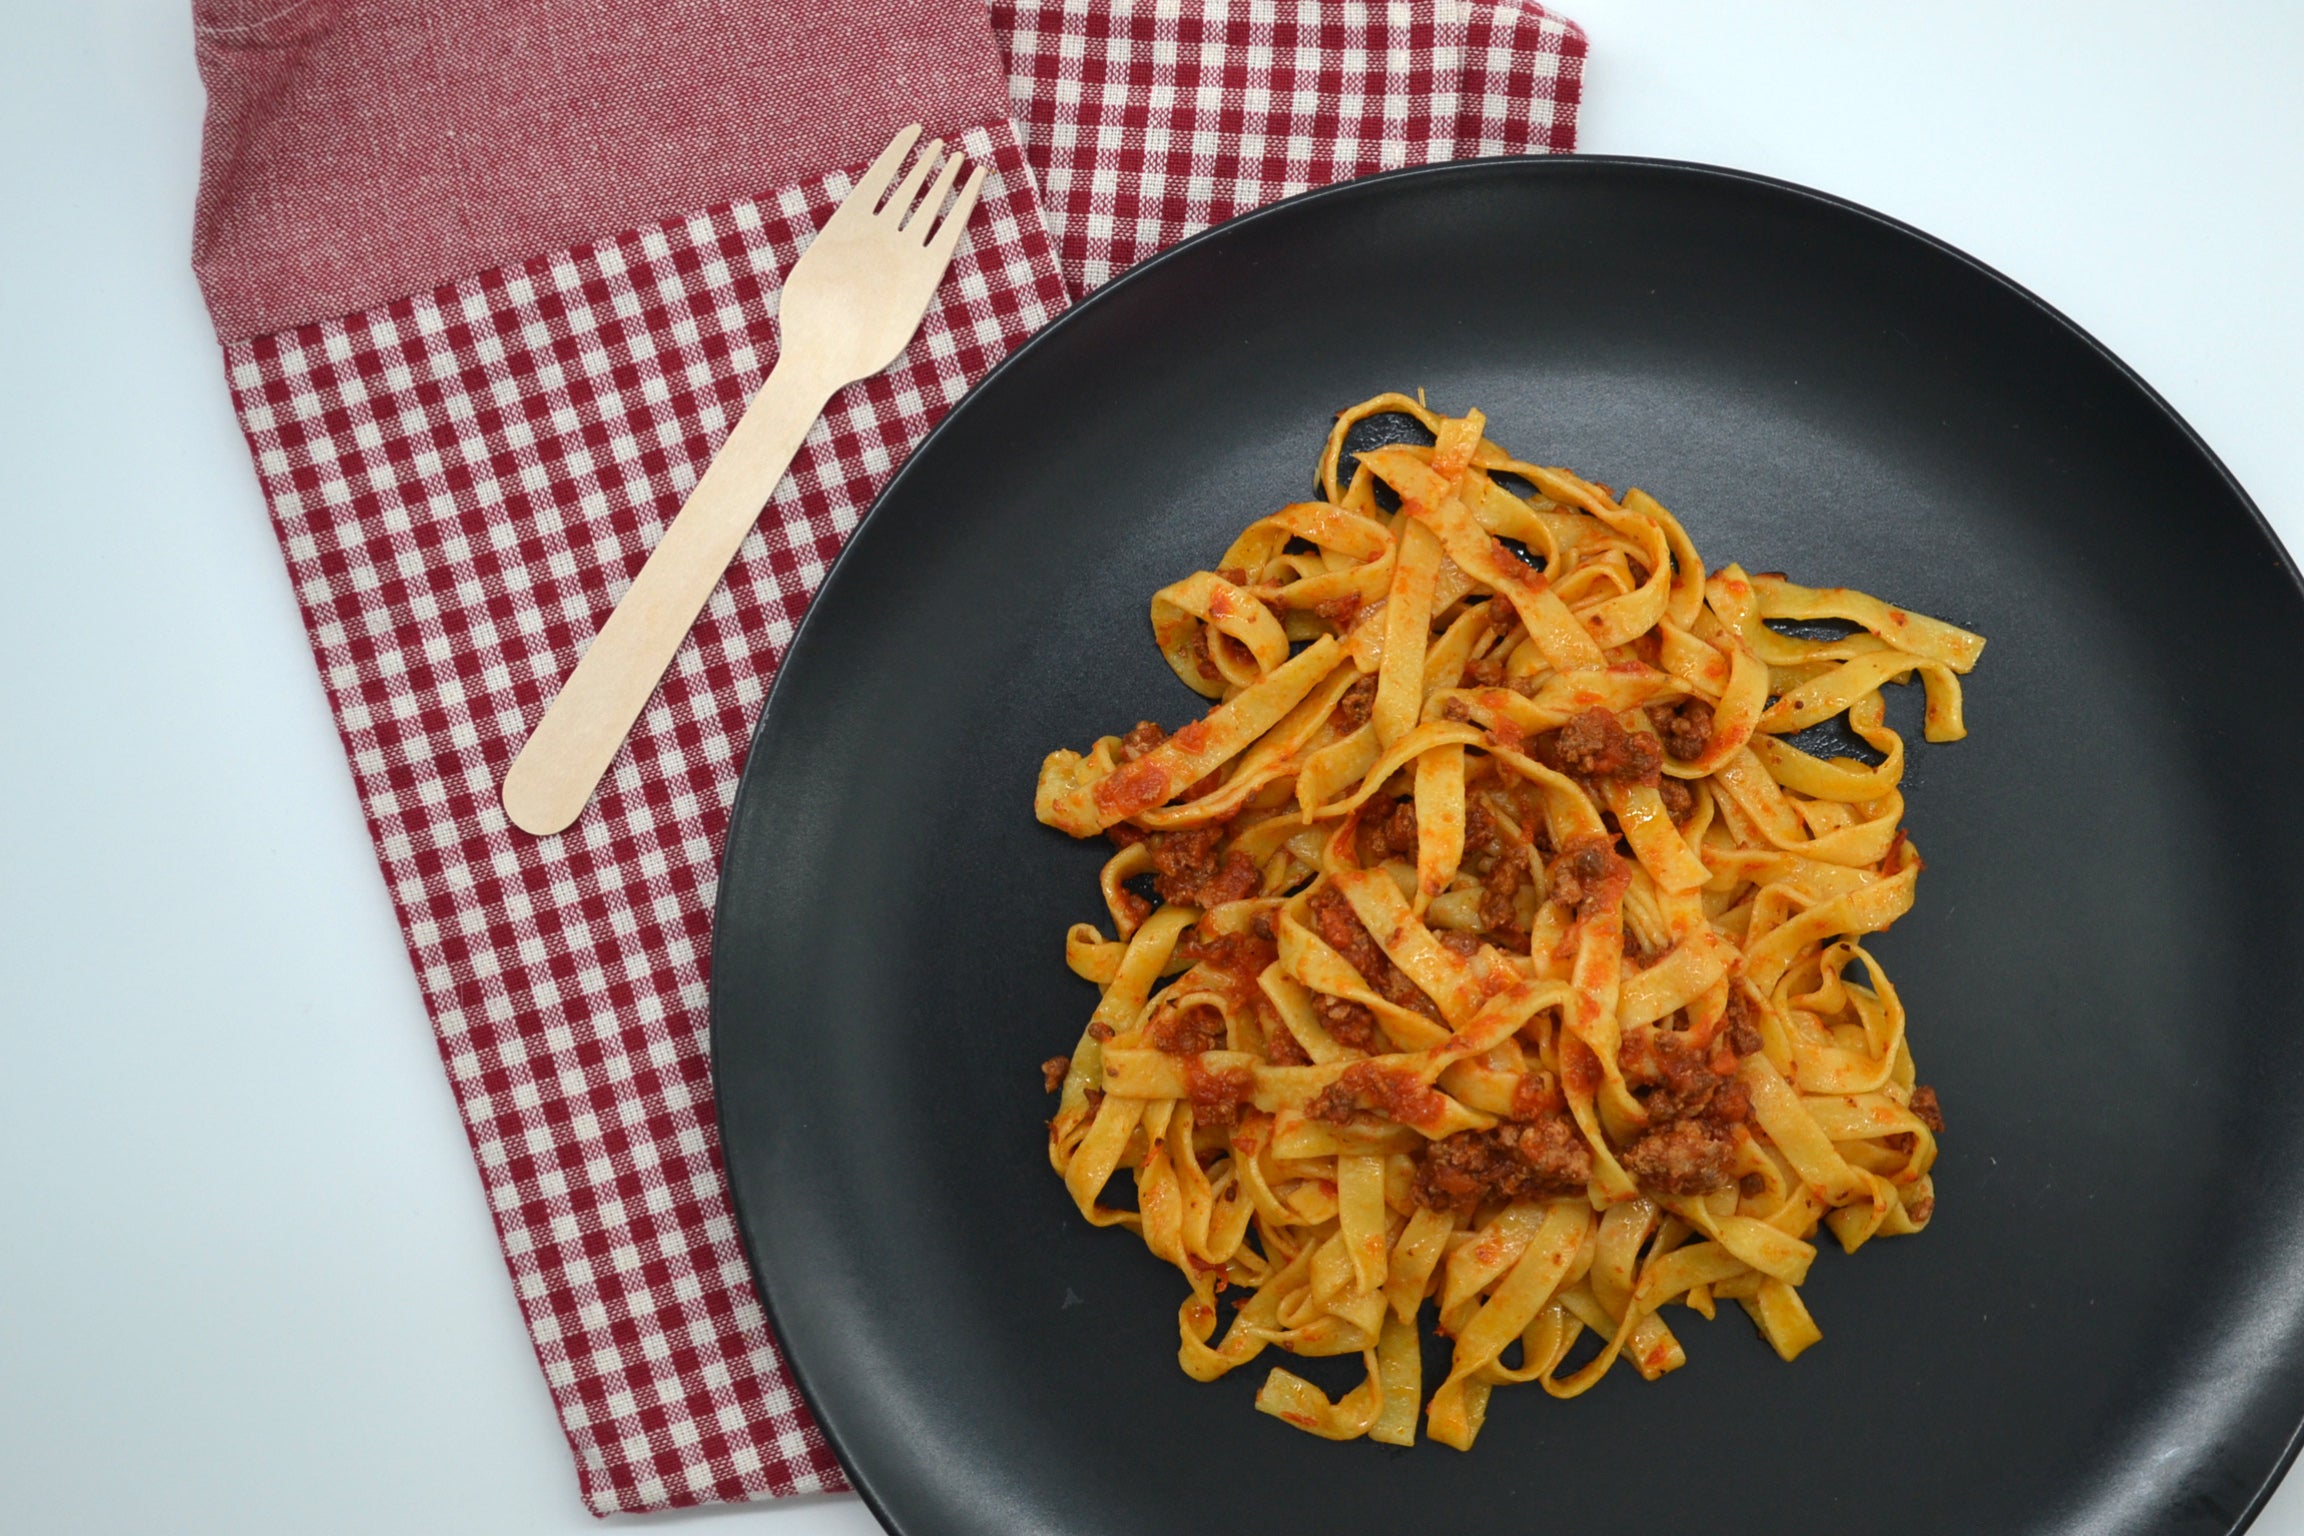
(1572, 163)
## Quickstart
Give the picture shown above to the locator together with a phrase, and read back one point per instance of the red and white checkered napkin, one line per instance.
(465, 479)
(1149, 120)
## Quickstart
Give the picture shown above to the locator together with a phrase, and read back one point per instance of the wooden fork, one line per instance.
(851, 304)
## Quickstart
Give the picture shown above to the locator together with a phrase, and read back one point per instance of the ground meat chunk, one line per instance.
(1593, 746)
(1241, 956)
(1357, 704)
(1183, 858)
(1281, 1048)
(1347, 1022)
(1558, 1160)
(1925, 1107)
(1743, 1037)
(1188, 872)
(1544, 1157)
(1219, 1114)
(1142, 738)
(1400, 828)
(1536, 1096)
(1687, 1157)
(1673, 1080)
(1679, 800)
(1731, 1103)
(1692, 1110)
(1053, 1071)
(1335, 1105)
(1686, 727)
(1340, 928)
(1202, 662)
(1922, 1209)
(1505, 876)
(1387, 831)
(1336, 923)
(1186, 1031)
(1342, 612)
(1146, 735)
(1752, 1186)
(1457, 1172)
(1487, 672)
(1387, 1092)
(1588, 876)
(1494, 850)
(1217, 1097)
(1482, 833)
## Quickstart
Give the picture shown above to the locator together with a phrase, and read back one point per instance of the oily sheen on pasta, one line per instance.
(1506, 955)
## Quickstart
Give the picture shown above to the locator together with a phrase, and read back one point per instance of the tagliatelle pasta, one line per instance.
(1506, 955)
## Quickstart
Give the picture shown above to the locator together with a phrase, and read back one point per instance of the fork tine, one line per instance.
(923, 218)
(874, 181)
(900, 201)
(947, 234)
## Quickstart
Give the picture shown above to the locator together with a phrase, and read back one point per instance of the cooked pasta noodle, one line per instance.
(1506, 954)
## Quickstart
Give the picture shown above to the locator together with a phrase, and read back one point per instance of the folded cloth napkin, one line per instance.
(1147, 122)
(493, 278)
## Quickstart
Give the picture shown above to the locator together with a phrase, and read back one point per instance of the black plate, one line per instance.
(2100, 1332)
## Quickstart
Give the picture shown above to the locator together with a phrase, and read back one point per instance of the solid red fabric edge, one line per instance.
(520, 126)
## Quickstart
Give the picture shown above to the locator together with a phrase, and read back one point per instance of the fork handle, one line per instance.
(556, 772)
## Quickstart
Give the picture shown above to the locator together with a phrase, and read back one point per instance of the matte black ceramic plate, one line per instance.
(2101, 1330)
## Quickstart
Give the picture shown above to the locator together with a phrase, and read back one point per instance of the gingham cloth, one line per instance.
(465, 480)
(1149, 120)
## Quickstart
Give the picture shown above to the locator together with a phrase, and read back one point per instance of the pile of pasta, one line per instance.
(1505, 953)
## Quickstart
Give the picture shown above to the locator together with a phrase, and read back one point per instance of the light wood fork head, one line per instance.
(850, 304)
(857, 294)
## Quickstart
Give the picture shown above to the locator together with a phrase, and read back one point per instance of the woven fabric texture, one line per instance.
(359, 150)
(464, 481)
(1149, 120)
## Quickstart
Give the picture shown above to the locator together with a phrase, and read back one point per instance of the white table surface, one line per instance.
(247, 1281)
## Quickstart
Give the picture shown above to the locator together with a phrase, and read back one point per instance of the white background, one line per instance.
(247, 1281)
